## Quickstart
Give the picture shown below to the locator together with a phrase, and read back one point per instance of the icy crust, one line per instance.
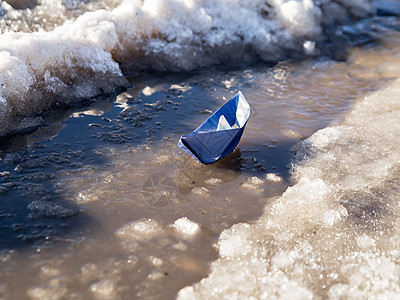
(60, 67)
(63, 50)
(335, 233)
(40, 70)
(45, 15)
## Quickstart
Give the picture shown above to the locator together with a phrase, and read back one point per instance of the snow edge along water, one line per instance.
(335, 233)
(62, 51)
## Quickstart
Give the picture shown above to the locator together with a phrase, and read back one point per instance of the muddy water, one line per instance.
(89, 204)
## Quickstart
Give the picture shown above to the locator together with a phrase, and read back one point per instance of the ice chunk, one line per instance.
(140, 230)
(213, 181)
(86, 197)
(49, 271)
(156, 261)
(186, 227)
(104, 289)
(253, 184)
(156, 275)
(53, 289)
(180, 246)
(201, 191)
(50, 210)
(272, 177)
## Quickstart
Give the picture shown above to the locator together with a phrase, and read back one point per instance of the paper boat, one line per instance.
(219, 135)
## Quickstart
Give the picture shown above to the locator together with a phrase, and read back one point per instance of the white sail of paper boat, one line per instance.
(219, 135)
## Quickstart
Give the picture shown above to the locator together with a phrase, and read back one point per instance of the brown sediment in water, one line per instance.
(108, 187)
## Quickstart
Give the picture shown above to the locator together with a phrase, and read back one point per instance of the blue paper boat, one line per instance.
(219, 135)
